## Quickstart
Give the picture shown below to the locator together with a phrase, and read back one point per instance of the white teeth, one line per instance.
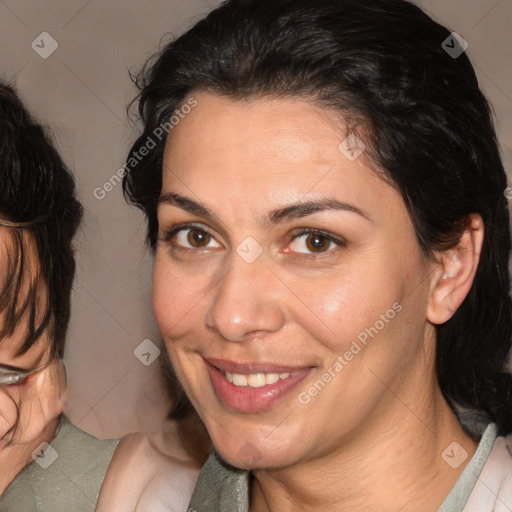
(239, 380)
(272, 378)
(255, 380)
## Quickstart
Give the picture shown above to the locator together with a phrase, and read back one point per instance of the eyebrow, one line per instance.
(36, 364)
(13, 368)
(289, 212)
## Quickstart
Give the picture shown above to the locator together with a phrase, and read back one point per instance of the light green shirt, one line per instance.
(71, 483)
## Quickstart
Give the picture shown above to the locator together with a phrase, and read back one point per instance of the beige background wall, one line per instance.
(82, 90)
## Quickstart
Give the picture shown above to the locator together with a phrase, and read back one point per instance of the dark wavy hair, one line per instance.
(39, 209)
(426, 124)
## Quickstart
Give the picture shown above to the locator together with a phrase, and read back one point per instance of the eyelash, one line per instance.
(171, 233)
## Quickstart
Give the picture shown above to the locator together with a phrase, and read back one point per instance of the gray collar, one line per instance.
(458, 496)
(220, 487)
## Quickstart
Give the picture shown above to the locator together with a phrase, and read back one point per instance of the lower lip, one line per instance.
(247, 399)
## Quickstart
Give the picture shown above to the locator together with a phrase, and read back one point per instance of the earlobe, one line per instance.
(455, 272)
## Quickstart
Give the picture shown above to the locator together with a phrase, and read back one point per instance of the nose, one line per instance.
(246, 302)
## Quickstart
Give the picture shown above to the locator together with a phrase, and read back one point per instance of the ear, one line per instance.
(454, 273)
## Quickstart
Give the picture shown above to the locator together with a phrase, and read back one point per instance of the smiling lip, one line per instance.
(252, 399)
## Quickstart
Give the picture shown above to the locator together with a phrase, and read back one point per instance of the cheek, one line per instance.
(8, 410)
(165, 301)
(344, 306)
(176, 299)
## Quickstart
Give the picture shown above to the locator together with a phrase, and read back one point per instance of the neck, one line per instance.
(393, 463)
(14, 457)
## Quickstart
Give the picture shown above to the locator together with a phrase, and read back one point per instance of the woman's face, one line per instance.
(287, 342)
(37, 400)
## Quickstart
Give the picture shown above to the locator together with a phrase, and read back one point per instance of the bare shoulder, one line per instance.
(150, 473)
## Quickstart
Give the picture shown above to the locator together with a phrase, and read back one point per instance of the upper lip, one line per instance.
(247, 368)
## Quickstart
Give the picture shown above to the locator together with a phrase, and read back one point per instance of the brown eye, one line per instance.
(310, 241)
(317, 243)
(191, 238)
(198, 238)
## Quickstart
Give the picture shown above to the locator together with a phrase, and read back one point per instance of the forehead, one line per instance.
(264, 150)
(290, 130)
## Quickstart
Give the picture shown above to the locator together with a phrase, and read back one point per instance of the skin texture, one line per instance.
(149, 473)
(381, 424)
(40, 398)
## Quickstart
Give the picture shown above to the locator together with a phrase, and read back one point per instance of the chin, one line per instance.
(254, 454)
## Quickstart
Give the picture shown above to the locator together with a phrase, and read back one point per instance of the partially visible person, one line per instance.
(39, 215)
(157, 472)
